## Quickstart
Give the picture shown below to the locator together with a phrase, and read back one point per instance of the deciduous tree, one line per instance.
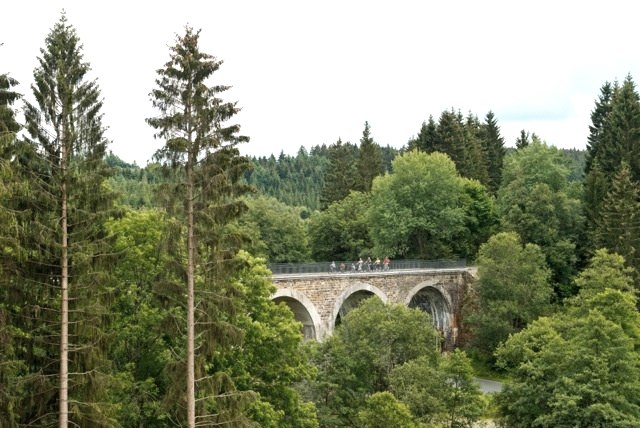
(512, 290)
(417, 210)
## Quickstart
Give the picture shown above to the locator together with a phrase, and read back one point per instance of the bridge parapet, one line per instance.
(325, 267)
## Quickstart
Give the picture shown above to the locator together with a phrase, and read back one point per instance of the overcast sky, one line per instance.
(305, 73)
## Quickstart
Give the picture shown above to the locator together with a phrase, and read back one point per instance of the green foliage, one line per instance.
(277, 230)
(140, 348)
(295, 181)
(341, 175)
(369, 163)
(270, 361)
(476, 148)
(512, 290)
(205, 171)
(579, 367)
(61, 201)
(493, 146)
(481, 219)
(570, 372)
(537, 202)
(613, 141)
(420, 384)
(341, 232)
(358, 359)
(383, 410)
(417, 211)
(618, 226)
(461, 396)
(133, 185)
(8, 124)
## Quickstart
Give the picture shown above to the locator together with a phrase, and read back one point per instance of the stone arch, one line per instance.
(304, 311)
(351, 298)
(433, 298)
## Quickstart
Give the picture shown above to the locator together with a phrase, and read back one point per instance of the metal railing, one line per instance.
(395, 265)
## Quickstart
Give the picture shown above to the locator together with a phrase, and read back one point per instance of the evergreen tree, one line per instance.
(598, 120)
(427, 139)
(475, 159)
(8, 124)
(369, 163)
(621, 133)
(9, 365)
(201, 154)
(60, 263)
(341, 173)
(614, 139)
(523, 140)
(452, 138)
(493, 146)
(618, 227)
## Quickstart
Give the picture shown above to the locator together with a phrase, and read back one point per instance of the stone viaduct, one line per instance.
(320, 300)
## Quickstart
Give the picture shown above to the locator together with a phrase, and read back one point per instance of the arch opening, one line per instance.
(431, 300)
(301, 314)
(352, 302)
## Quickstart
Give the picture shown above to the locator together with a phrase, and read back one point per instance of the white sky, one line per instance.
(305, 73)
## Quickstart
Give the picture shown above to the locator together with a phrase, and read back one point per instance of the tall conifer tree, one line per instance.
(9, 364)
(614, 139)
(341, 173)
(60, 262)
(493, 145)
(618, 227)
(427, 139)
(201, 154)
(370, 163)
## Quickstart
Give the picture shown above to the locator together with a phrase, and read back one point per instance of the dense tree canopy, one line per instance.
(512, 290)
(277, 231)
(537, 201)
(579, 367)
(429, 206)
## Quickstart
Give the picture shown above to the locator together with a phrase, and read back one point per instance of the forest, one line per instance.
(141, 296)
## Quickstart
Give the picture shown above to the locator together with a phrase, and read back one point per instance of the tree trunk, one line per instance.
(191, 388)
(64, 297)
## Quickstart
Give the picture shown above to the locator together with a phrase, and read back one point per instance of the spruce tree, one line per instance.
(614, 140)
(369, 162)
(621, 132)
(475, 164)
(9, 363)
(493, 146)
(201, 155)
(523, 140)
(8, 124)
(618, 227)
(60, 261)
(451, 137)
(341, 173)
(428, 139)
(598, 120)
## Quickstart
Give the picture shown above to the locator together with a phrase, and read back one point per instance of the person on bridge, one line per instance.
(386, 263)
(332, 267)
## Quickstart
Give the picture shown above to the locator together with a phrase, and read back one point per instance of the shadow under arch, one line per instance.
(433, 299)
(350, 298)
(304, 311)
